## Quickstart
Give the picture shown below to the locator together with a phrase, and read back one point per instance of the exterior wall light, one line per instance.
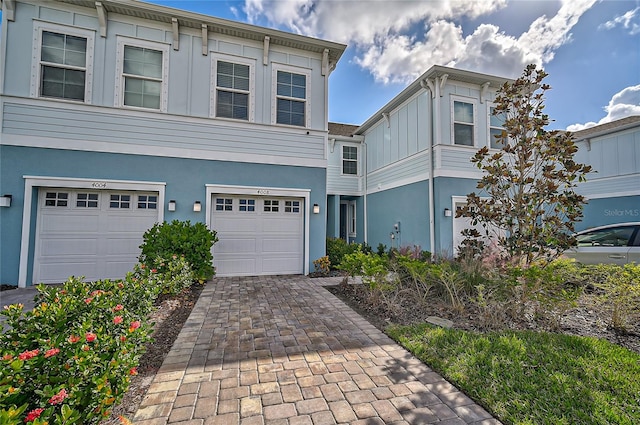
(316, 209)
(172, 205)
(447, 212)
(197, 207)
(5, 201)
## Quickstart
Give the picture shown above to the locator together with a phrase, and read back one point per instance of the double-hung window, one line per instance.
(350, 160)
(496, 126)
(234, 87)
(142, 74)
(292, 97)
(463, 123)
(63, 60)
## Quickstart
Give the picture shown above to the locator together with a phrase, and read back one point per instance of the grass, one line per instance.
(527, 377)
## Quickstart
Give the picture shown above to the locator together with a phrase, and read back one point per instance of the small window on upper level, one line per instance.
(291, 100)
(350, 160)
(463, 123)
(496, 126)
(142, 75)
(63, 62)
(233, 80)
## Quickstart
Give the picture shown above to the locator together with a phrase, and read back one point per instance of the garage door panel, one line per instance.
(235, 245)
(266, 239)
(236, 266)
(64, 247)
(97, 242)
(59, 223)
(58, 272)
(128, 247)
(129, 223)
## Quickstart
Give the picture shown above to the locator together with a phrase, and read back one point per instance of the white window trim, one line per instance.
(38, 28)
(215, 57)
(489, 106)
(357, 160)
(473, 102)
(119, 83)
(274, 93)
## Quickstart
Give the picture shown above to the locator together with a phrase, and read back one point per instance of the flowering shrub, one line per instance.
(69, 360)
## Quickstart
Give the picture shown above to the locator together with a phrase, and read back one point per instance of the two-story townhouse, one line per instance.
(118, 114)
(414, 160)
(612, 188)
(414, 170)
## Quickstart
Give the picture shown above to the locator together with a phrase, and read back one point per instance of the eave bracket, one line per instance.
(9, 8)
(102, 19)
(176, 33)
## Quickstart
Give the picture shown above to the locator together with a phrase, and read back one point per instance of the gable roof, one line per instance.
(164, 14)
(606, 128)
(433, 72)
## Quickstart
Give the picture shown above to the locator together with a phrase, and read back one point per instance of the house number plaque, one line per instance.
(263, 192)
(99, 185)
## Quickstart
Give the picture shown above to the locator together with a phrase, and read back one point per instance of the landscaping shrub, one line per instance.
(181, 238)
(322, 265)
(69, 360)
(337, 248)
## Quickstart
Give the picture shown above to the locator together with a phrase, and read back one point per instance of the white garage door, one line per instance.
(95, 234)
(258, 236)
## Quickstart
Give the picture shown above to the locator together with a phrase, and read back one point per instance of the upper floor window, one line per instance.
(234, 88)
(463, 123)
(350, 160)
(496, 126)
(142, 74)
(291, 100)
(63, 59)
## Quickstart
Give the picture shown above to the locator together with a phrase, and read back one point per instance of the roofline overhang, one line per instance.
(194, 20)
(589, 136)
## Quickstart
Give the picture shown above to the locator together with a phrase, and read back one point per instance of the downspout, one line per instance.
(435, 134)
(364, 203)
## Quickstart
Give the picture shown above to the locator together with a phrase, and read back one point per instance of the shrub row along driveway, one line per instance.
(282, 350)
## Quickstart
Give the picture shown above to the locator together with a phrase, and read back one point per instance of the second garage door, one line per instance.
(258, 235)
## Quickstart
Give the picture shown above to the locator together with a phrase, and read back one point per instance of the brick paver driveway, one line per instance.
(283, 350)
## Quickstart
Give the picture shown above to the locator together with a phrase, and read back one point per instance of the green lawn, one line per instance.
(534, 378)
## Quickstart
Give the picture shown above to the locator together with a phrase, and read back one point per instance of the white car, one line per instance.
(613, 244)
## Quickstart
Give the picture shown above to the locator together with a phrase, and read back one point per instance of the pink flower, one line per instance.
(154, 270)
(90, 336)
(123, 338)
(133, 371)
(58, 398)
(88, 300)
(120, 285)
(73, 339)
(134, 325)
(7, 357)
(34, 414)
(118, 307)
(51, 352)
(117, 320)
(28, 354)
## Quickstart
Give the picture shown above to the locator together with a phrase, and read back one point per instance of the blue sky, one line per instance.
(590, 48)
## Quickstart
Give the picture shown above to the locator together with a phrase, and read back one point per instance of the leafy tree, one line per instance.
(527, 202)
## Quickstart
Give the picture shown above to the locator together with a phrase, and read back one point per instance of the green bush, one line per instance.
(69, 360)
(181, 238)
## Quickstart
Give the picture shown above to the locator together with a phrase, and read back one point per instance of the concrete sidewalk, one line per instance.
(284, 351)
(24, 296)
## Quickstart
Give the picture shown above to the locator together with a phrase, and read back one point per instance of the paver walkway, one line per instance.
(284, 351)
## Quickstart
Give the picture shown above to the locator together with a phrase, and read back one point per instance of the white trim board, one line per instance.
(264, 191)
(31, 182)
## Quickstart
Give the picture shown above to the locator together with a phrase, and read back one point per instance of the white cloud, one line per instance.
(398, 40)
(623, 104)
(629, 21)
